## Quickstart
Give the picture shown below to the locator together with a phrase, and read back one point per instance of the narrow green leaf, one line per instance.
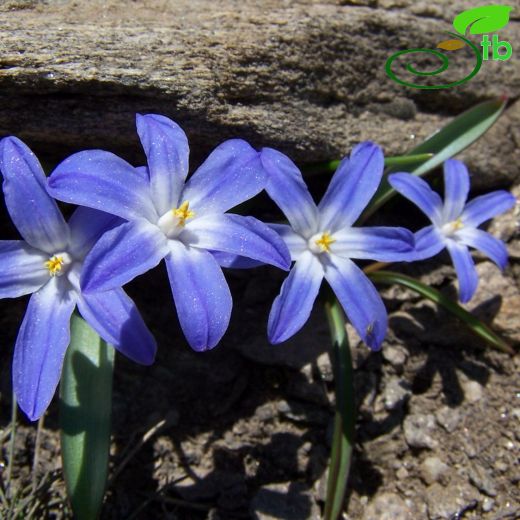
(331, 166)
(473, 323)
(85, 409)
(447, 142)
(345, 417)
(483, 19)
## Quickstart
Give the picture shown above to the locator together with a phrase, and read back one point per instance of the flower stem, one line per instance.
(345, 417)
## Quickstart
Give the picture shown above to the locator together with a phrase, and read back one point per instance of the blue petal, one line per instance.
(235, 261)
(121, 254)
(428, 242)
(492, 247)
(167, 150)
(384, 244)
(104, 181)
(244, 236)
(419, 192)
(353, 185)
(360, 300)
(294, 241)
(285, 185)
(114, 316)
(465, 268)
(230, 175)
(456, 189)
(22, 269)
(487, 206)
(86, 227)
(32, 210)
(40, 347)
(292, 307)
(201, 295)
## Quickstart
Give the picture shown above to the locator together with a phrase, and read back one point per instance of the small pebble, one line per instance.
(418, 429)
(433, 470)
(448, 418)
(473, 391)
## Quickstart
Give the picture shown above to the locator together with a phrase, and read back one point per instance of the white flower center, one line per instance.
(58, 264)
(173, 221)
(450, 228)
(320, 242)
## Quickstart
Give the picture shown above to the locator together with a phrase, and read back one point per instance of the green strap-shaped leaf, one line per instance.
(85, 409)
(473, 323)
(483, 19)
(345, 417)
(447, 142)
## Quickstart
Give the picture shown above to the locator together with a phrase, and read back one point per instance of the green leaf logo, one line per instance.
(484, 19)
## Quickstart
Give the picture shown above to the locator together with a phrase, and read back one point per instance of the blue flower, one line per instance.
(48, 263)
(182, 222)
(323, 242)
(455, 223)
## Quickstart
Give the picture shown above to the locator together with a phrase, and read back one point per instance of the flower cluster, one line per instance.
(130, 218)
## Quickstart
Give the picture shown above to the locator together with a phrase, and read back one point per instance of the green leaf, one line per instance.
(345, 417)
(473, 323)
(85, 409)
(399, 160)
(447, 142)
(483, 19)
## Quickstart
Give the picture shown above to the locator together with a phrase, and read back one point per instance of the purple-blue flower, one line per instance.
(182, 221)
(455, 223)
(48, 263)
(323, 243)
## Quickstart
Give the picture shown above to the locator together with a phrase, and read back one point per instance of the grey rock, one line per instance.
(482, 480)
(432, 470)
(226, 69)
(472, 391)
(387, 506)
(418, 429)
(448, 418)
(284, 501)
(450, 502)
(395, 394)
(396, 356)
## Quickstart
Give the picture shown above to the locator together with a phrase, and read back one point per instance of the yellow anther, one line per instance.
(457, 224)
(183, 213)
(54, 265)
(324, 242)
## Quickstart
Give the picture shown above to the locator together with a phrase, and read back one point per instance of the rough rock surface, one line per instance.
(305, 76)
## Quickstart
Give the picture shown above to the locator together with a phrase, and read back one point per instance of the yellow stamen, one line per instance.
(54, 265)
(324, 242)
(183, 213)
(457, 224)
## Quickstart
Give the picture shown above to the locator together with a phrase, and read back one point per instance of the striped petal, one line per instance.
(292, 307)
(285, 185)
(383, 244)
(492, 247)
(40, 347)
(33, 211)
(103, 181)
(419, 192)
(122, 254)
(355, 182)
(244, 236)
(360, 300)
(167, 150)
(465, 269)
(456, 189)
(230, 175)
(201, 295)
(485, 207)
(22, 269)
